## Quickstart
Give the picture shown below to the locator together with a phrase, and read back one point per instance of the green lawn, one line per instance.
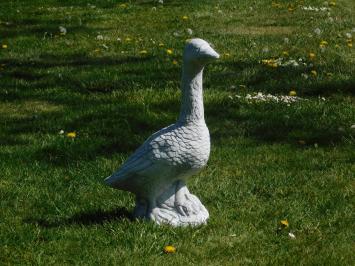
(110, 79)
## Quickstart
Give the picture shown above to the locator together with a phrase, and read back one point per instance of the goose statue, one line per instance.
(156, 172)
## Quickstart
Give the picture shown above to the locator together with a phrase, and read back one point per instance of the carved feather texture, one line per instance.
(174, 152)
(156, 171)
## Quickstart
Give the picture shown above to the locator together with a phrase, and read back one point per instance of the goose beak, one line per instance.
(214, 54)
(209, 54)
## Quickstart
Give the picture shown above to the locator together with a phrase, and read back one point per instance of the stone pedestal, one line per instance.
(176, 206)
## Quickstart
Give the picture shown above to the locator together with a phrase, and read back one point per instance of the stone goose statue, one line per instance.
(156, 172)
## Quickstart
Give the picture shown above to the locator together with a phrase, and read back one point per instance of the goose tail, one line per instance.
(109, 181)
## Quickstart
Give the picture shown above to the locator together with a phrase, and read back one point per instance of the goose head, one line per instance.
(199, 52)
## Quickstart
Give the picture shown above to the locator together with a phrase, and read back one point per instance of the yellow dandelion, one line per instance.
(284, 223)
(301, 142)
(169, 51)
(185, 17)
(349, 43)
(169, 249)
(312, 55)
(285, 53)
(270, 62)
(175, 62)
(323, 43)
(292, 93)
(4, 46)
(143, 52)
(276, 5)
(71, 135)
(314, 73)
(161, 44)
(332, 3)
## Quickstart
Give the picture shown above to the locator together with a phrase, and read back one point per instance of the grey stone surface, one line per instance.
(156, 171)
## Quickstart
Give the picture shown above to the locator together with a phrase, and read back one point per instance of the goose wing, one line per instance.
(136, 164)
(145, 162)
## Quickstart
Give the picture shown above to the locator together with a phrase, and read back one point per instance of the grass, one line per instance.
(269, 161)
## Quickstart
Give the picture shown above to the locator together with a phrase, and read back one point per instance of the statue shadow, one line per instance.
(86, 218)
(119, 125)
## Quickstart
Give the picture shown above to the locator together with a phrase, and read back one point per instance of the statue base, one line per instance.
(176, 207)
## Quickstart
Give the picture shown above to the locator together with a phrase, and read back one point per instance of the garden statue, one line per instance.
(156, 172)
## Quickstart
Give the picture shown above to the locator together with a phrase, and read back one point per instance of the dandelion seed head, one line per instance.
(348, 35)
(62, 30)
(317, 31)
(291, 235)
(189, 31)
(265, 50)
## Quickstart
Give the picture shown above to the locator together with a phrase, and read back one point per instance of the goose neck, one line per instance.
(192, 95)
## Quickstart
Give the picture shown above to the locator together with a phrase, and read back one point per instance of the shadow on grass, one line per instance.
(46, 27)
(87, 5)
(95, 217)
(284, 79)
(72, 60)
(106, 127)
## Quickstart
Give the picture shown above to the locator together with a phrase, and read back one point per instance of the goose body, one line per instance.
(156, 171)
(172, 153)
